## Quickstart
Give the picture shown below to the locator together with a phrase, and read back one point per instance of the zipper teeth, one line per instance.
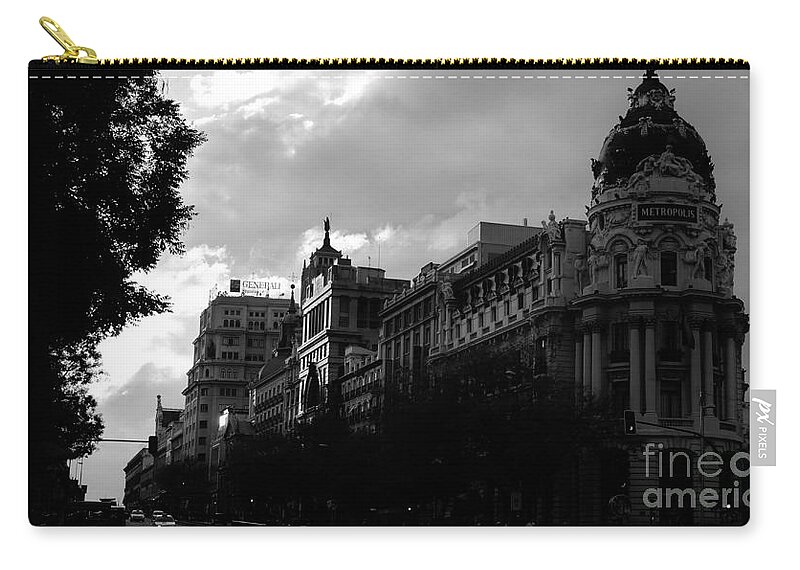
(367, 62)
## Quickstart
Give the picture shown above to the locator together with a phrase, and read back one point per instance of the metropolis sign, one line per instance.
(666, 212)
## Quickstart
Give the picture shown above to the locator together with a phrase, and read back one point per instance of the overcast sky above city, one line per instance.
(403, 162)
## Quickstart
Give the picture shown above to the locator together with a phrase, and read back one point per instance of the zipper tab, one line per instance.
(72, 52)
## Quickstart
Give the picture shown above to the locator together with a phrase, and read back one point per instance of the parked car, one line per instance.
(118, 515)
(137, 516)
(165, 520)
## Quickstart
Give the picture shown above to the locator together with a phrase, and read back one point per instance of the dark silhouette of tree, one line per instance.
(106, 160)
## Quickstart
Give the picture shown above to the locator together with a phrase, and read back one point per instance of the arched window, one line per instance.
(207, 372)
(621, 270)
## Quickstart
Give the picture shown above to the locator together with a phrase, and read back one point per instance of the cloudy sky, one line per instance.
(403, 162)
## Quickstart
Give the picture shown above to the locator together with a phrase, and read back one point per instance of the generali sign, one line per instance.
(254, 288)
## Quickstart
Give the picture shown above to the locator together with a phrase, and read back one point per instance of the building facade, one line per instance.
(360, 390)
(485, 241)
(658, 328)
(133, 476)
(341, 307)
(275, 392)
(236, 337)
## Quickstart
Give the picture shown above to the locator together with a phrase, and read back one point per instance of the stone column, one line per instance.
(587, 361)
(651, 399)
(635, 382)
(597, 360)
(731, 393)
(696, 367)
(708, 371)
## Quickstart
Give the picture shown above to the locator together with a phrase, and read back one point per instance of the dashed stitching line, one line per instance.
(500, 77)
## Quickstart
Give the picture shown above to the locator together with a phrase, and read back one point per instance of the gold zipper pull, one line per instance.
(72, 52)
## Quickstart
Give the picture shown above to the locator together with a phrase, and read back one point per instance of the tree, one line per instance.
(106, 160)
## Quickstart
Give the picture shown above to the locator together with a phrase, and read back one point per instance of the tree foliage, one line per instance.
(484, 419)
(106, 161)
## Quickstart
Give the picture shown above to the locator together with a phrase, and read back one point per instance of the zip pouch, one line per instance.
(378, 292)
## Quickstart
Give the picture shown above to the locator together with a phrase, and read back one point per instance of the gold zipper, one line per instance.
(73, 54)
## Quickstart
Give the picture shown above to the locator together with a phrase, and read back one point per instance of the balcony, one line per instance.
(683, 423)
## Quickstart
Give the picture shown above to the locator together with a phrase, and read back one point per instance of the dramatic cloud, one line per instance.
(165, 340)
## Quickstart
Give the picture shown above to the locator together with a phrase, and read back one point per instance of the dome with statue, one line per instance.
(650, 127)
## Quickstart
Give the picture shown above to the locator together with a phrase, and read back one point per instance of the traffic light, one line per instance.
(152, 445)
(630, 422)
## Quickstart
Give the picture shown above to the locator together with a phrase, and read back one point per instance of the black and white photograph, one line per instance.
(391, 297)
(426, 284)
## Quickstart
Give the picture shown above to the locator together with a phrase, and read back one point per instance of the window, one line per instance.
(494, 314)
(201, 441)
(670, 343)
(620, 336)
(203, 407)
(669, 268)
(506, 308)
(480, 320)
(520, 300)
(671, 399)
(669, 335)
(469, 325)
(362, 313)
(621, 271)
(203, 424)
(230, 341)
(619, 342)
(426, 336)
(204, 391)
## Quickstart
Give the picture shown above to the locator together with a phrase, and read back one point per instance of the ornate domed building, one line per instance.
(637, 313)
(659, 329)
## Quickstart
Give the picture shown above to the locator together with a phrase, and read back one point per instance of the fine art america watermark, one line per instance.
(723, 480)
